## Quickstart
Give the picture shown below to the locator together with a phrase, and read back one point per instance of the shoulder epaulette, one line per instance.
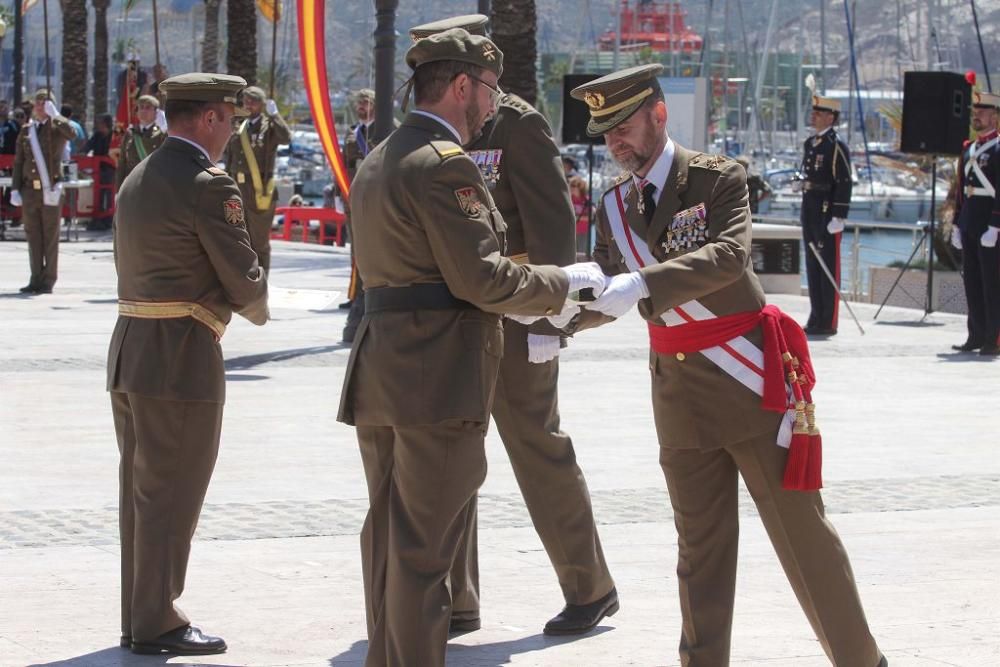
(624, 177)
(217, 171)
(711, 162)
(516, 103)
(447, 149)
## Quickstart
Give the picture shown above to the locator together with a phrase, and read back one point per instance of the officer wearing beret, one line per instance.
(977, 216)
(142, 138)
(185, 265)
(36, 186)
(674, 233)
(826, 199)
(522, 168)
(249, 159)
(420, 380)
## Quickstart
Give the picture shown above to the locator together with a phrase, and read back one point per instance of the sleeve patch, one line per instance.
(468, 201)
(233, 210)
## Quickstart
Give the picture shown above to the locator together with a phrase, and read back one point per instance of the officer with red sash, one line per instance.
(977, 218)
(674, 235)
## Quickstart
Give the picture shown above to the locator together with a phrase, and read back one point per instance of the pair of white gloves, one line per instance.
(616, 295)
(835, 226)
(987, 240)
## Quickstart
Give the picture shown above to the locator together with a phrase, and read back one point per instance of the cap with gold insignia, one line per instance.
(43, 94)
(456, 44)
(616, 96)
(205, 87)
(149, 99)
(825, 104)
(986, 100)
(474, 24)
(255, 92)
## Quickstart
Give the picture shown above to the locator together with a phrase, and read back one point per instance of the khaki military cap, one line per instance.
(613, 98)
(43, 94)
(986, 100)
(256, 92)
(149, 99)
(474, 24)
(825, 104)
(204, 87)
(456, 44)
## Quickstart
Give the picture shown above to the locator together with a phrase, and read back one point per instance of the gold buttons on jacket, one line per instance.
(680, 356)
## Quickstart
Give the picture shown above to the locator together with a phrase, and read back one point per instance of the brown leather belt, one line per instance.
(165, 310)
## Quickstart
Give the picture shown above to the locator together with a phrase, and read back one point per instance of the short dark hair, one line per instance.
(182, 111)
(66, 110)
(106, 120)
(653, 98)
(430, 80)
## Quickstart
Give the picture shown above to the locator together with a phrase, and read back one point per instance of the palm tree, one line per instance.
(241, 45)
(514, 24)
(210, 43)
(74, 65)
(100, 56)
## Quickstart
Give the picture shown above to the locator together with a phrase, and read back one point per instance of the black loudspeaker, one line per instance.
(576, 115)
(935, 112)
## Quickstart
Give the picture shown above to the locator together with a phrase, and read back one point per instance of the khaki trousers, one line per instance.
(168, 451)
(703, 492)
(259, 228)
(41, 229)
(420, 482)
(526, 412)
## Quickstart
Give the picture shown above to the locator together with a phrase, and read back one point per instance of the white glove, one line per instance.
(15, 198)
(271, 108)
(835, 226)
(542, 348)
(622, 292)
(989, 237)
(161, 120)
(558, 320)
(956, 237)
(585, 275)
(50, 109)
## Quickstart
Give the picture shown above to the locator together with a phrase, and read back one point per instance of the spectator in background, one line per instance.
(581, 206)
(10, 129)
(74, 146)
(756, 185)
(569, 166)
(99, 145)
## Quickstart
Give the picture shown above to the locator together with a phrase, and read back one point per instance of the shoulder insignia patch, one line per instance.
(217, 171)
(514, 102)
(468, 201)
(233, 211)
(446, 149)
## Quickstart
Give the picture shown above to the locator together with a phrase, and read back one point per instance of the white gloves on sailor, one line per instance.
(271, 107)
(161, 120)
(956, 237)
(621, 294)
(989, 237)
(50, 109)
(15, 198)
(835, 226)
(542, 348)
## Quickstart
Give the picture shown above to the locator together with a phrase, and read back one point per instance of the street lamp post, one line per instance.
(385, 65)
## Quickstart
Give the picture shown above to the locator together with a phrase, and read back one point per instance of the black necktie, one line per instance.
(648, 202)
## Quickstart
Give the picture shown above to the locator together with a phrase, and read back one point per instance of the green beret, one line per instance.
(474, 24)
(255, 92)
(456, 44)
(613, 98)
(204, 87)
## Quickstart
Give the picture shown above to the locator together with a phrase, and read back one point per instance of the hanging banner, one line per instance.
(270, 9)
(311, 49)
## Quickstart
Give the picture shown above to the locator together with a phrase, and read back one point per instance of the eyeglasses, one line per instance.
(495, 90)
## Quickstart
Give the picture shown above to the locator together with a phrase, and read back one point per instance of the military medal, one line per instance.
(488, 162)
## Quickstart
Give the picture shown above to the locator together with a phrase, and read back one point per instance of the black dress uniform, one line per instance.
(975, 210)
(826, 194)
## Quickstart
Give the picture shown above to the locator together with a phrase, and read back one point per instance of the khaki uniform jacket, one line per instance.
(522, 167)
(427, 217)
(151, 137)
(52, 137)
(695, 404)
(180, 236)
(266, 134)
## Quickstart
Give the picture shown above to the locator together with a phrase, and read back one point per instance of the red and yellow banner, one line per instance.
(270, 9)
(313, 56)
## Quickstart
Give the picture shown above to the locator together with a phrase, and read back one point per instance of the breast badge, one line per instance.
(468, 201)
(233, 211)
(687, 229)
(489, 165)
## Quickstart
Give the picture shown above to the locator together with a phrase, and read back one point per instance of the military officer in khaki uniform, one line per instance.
(675, 236)
(250, 158)
(420, 380)
(36, 186)
(142, 138)
(185, 264)
(522, 168)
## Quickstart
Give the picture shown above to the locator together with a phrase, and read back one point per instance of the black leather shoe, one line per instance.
(185, 640)
(820, 331)
(345, 306)
(462, 625)
(967, 346)
(989, 351)
(575, 619)
(43, 290)
(28, 289)
(125, 641)
(883, 662)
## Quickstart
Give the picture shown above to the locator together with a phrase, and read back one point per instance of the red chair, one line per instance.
(303, 215)
(90, 167)
(7, 212)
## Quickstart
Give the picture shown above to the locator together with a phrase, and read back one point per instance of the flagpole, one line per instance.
(156, 35)
(274, 43)
(45, 20)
